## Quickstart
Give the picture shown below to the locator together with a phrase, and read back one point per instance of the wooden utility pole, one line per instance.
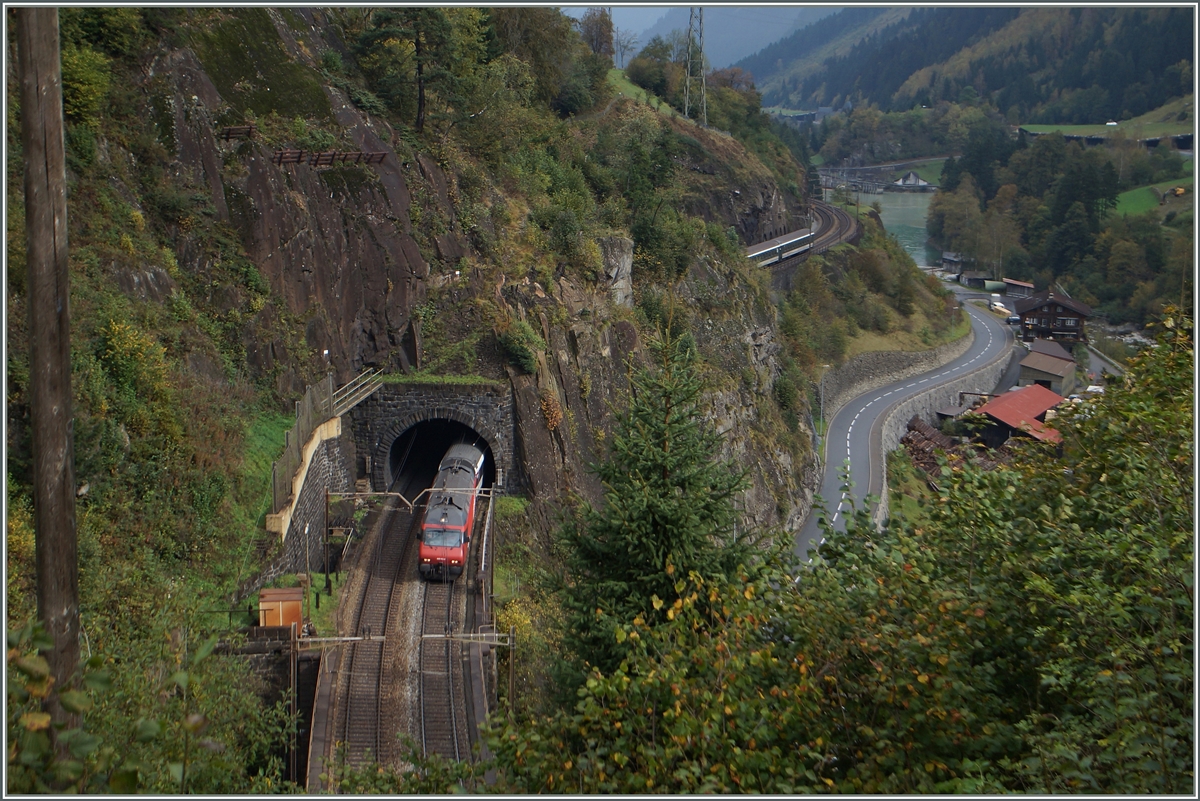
(49, 335)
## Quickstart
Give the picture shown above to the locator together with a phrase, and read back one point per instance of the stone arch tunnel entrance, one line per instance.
(414, 455)
(403, 430)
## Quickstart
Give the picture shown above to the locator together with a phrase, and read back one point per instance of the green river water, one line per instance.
(904, 216)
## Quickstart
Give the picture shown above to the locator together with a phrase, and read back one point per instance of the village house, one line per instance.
(1017, 289)
(1019, 413)
(1056, 375)
(913, 182)
(1047, 315)
(1050, 365)
(952, 262)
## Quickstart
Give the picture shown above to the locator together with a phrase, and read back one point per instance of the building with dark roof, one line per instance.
(1050, 348)
(1047, 315)
(1017, 289)
(1056, 375)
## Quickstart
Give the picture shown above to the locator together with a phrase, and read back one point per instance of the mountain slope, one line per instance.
(731, 33)
(1062, 65)
(1069, 65)
(783, 65)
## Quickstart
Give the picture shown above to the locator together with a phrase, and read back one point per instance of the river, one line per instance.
(903, 216)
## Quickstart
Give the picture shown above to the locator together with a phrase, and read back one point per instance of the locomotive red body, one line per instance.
(450, 513)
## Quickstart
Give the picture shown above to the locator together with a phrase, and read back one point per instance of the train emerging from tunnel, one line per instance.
(450, 513)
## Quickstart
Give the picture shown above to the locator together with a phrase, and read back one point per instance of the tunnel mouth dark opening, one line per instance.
(414, 455)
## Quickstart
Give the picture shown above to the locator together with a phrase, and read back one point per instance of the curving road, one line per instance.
(854, 431)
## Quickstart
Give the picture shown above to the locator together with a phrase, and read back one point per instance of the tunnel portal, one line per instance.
(403, 426)
(414, 455)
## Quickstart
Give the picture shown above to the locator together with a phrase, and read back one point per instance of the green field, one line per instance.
(1143, 199)
(930, 171)
(1162, 121)
(1142, 131)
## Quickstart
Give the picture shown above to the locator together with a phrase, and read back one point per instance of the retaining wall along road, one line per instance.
(925, 405)
(867, 371)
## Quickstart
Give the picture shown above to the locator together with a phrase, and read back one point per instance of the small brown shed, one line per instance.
(281, 607)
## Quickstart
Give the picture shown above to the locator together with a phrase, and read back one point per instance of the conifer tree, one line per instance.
(668, 509)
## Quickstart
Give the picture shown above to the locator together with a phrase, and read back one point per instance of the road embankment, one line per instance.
(894, 422)
(868, 371)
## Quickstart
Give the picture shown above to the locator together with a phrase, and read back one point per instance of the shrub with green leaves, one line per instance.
(85, 80)
(521, 345)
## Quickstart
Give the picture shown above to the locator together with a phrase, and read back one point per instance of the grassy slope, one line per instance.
(1162, 121)
(1144, 198)
(930, 171)
(625, 88)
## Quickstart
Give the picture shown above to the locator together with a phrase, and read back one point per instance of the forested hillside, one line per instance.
(209, 283)
(1036, 64)
(1045, 211)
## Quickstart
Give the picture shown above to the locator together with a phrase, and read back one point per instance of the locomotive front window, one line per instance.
(443, 538)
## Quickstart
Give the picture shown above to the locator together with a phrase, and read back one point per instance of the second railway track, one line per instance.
(441, 720)
(364, 705)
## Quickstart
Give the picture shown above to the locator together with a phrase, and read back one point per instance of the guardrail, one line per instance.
(320, 402)
(356, 391)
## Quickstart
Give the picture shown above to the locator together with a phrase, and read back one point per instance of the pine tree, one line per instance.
(668, 510)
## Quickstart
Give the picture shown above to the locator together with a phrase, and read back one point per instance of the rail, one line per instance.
(362, 726)
(440, 730)
(358, 390)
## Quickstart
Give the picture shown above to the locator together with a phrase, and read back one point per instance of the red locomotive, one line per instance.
(450, 514)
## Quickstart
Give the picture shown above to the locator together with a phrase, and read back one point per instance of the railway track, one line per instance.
(410, 681)
(835, 226)
(440, 717)
(442, 684)
(364, 704)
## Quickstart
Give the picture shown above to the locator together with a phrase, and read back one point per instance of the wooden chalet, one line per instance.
(1047, 315)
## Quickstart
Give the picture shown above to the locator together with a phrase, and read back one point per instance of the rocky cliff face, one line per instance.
(349, 252)
(337, 245)
(727, 188)
(564, 410)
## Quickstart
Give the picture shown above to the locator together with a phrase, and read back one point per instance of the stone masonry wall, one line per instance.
(330, 468)
(394, 408)
(925, 406)
(879, 368)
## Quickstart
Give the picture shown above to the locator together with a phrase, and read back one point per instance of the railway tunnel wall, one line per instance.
(394, 408)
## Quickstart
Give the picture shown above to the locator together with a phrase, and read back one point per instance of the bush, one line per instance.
(332, 61)
(81, 147)
(520, 345)
(786, 394)
(562, 227)
(85, 81)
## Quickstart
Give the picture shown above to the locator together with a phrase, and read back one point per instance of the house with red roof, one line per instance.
(1018, 413)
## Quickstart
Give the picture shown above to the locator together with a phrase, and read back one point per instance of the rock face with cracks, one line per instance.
(340, 247)
(337, 244)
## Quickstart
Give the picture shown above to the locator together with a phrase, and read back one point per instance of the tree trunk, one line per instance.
(49, 335)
